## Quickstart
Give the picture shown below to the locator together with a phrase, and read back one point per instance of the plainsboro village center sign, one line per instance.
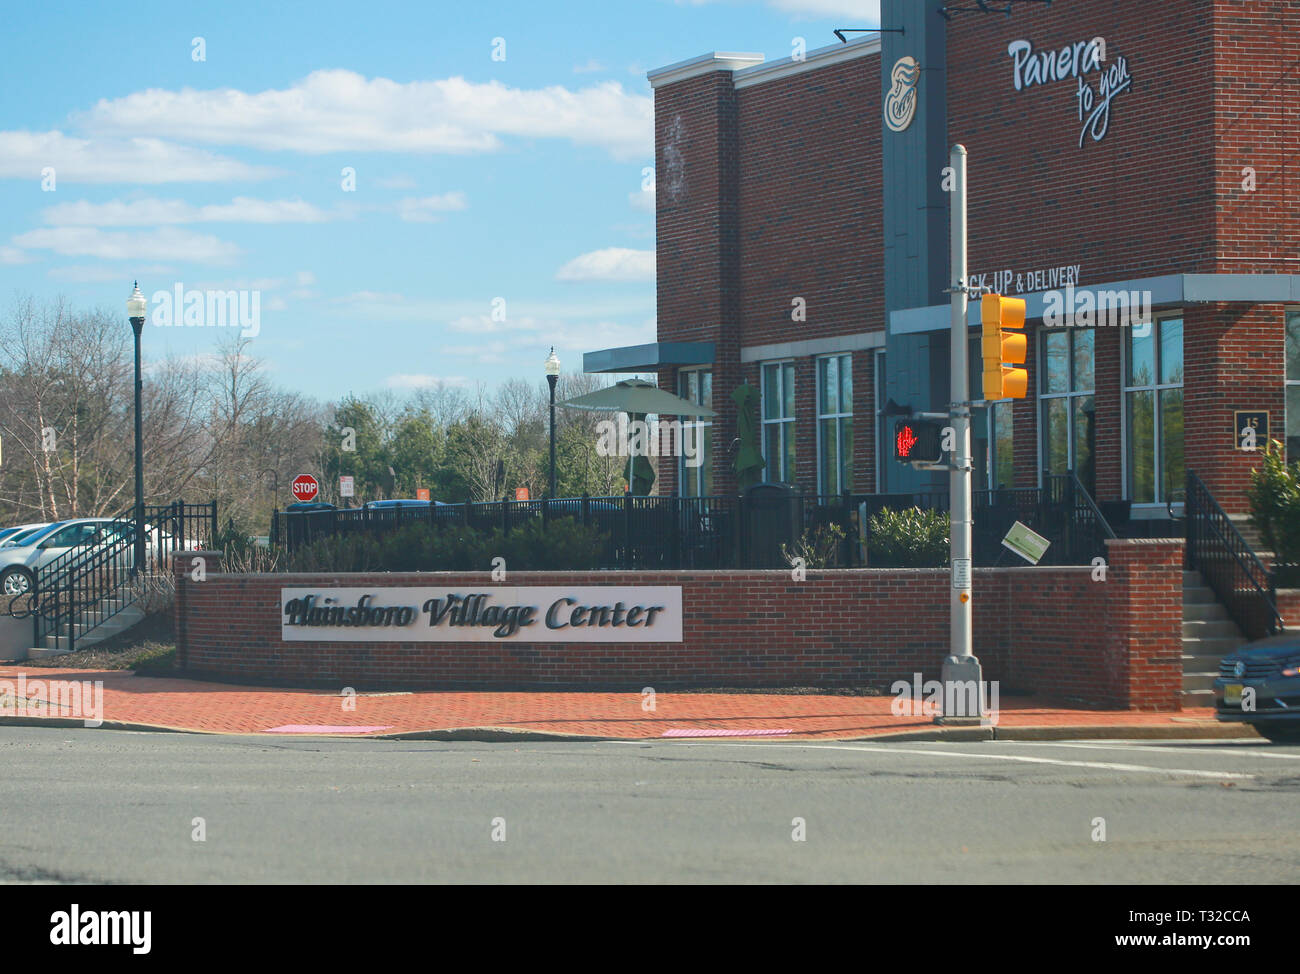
(606, 614)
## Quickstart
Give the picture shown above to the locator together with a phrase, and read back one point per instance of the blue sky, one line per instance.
(476, 178)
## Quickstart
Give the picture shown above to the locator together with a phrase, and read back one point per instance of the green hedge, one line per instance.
(1274, 497)
(563, 545)
(908, 538)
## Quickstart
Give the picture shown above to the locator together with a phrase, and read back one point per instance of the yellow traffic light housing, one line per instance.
(1002, 349)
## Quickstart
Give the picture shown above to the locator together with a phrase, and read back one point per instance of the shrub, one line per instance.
(908, 538)
(819, 547)
(563, 545)
(1274, 497)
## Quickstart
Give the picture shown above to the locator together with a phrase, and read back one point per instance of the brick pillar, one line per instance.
(184, 566)
(1142, 665)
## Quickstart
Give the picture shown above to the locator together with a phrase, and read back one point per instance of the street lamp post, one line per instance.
(552, 376)
(136, 305)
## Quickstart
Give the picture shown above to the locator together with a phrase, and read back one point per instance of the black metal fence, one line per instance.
(746, 531)
(1229, 565)
(89, 584)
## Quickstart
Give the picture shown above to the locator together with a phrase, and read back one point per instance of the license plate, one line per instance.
(1232, 694)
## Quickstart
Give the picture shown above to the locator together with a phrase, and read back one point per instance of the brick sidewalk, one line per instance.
(226, 709)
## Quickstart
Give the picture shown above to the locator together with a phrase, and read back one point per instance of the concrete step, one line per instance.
(1199, 681)
(1214, 646)
(1198, 698)
(86, 633)
(1192, 580)
(1198, 594)
(1210, 628)
(1207, 663)
(1203, 612)
(44, 652)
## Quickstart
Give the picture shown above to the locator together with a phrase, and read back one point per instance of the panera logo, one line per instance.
(522, 614)
(1030, 68)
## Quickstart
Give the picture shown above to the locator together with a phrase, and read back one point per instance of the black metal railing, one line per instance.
(87, 585)
(1216, 549)
(734, 531)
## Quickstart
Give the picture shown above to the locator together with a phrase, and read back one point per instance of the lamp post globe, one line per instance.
(136, 307)
(552, 376)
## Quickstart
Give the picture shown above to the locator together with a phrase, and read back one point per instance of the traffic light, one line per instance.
(917, 441)
(1003, 348)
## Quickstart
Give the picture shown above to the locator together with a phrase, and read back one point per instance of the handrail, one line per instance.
(1082, 491)
(81, 581)
(1202, 511)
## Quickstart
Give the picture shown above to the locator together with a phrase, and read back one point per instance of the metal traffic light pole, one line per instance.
(961, 670)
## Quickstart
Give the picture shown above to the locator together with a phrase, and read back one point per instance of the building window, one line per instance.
(1153, 410)
(1293, 385)
(778, 422)
(1002, 457)
(1066, 385)
(696, 385)
(834, 424)
(991, 432)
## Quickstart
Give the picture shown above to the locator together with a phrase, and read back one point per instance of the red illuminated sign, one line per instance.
(904, 439)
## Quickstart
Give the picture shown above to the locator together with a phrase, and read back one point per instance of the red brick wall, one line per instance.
(1052, 631)
(809, 193)
(1138, 203)
(1257, 125)
(1288, 606)
(1235, 359)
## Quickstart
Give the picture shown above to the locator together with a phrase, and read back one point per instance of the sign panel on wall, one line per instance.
(1250, 429)
(1075, 62)
(521, 614)
(900, 103)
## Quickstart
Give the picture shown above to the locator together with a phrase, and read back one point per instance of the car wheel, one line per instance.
(16, 581)
(1280, 733)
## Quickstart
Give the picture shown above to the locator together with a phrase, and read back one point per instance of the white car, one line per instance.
(20, 562)
(10, 536)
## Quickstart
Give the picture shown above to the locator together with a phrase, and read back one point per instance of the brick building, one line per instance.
(1117, 152)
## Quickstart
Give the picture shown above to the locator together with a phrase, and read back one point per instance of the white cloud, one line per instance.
(12, 255)
(125, 160)
(304, 279)
(610, 264)
(156, 212)
(342, 111)
(165, 243)
(428, 209)
(84, 274)
(590, 67)
(863, 13)
(396, 182)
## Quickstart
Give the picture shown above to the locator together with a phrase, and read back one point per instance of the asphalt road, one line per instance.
(106, 806)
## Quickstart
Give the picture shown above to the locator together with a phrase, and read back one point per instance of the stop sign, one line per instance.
(305, 487)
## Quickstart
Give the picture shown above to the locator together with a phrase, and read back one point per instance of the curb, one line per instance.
(15, 721)
(1189, 730)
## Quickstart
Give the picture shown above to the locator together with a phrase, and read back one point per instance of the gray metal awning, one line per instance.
(648, 358)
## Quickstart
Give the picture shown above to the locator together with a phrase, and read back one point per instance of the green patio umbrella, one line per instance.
(749, 457)
(637, 398)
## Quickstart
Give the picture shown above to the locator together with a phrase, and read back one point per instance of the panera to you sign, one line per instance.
(523, 614)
